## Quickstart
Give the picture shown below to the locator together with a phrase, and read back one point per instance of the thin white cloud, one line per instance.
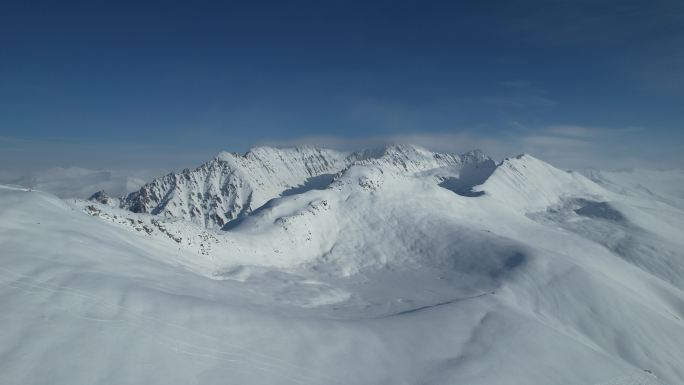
(455, 142)
(326, 141)
(554, 141)
(573, 131)
(458, 142)
(587, 132)
(521, 101)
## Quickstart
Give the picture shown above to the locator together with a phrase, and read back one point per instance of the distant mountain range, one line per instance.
(231, 185)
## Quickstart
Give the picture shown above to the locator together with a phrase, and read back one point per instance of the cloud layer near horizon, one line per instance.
(79, 182)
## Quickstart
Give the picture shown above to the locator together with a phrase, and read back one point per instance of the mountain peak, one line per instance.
(529, 184)
(102, 197)
(476, 155)
(99, 196)
(403, 147)
(227, 156)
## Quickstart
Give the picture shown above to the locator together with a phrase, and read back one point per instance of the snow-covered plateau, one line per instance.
(310, 266)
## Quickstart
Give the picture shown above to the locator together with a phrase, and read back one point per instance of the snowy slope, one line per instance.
(405, 267)
(529, 184)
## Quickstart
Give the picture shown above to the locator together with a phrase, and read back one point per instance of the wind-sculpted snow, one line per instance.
(392, 266)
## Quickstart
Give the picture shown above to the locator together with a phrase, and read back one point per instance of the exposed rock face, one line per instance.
(102, 197)
(231, 185)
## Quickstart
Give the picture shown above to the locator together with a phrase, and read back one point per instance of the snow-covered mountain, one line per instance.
(233, 185)
(388, 266)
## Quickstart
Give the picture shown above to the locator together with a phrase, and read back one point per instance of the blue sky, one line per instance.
(119, 84)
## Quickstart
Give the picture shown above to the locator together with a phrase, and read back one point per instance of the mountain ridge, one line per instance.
(232, 185)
